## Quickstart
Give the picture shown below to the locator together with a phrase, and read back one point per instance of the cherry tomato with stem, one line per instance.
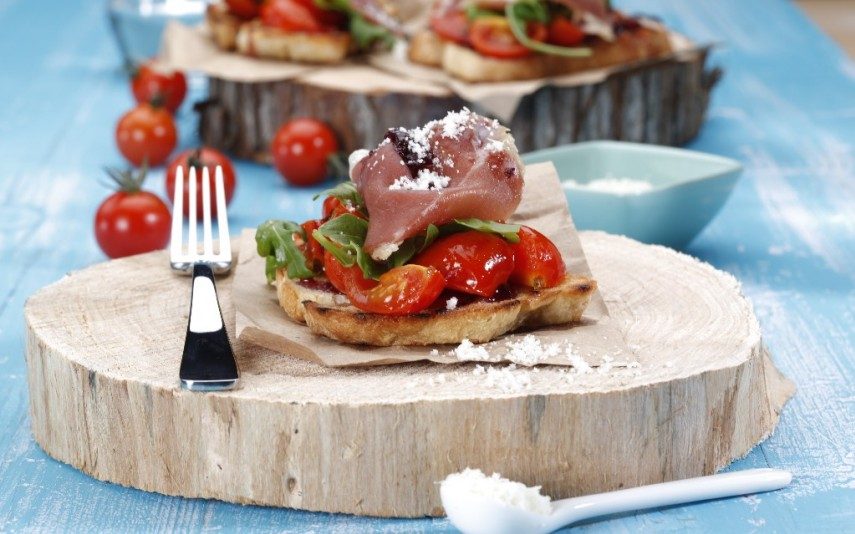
(146, 135)
(471, 262)
(537, 261)
(131, 221)
(149, 82)
(492, 36)
(201, 158)
(301, 151)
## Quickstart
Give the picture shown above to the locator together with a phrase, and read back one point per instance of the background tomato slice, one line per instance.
(492, 36)
(471, 262)
(452, 25)
(537, 261)
(289, 15)
(563, 32)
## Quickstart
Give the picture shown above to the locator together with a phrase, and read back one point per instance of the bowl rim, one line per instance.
(733, 166)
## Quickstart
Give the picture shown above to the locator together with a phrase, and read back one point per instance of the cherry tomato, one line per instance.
(537, 261)
(146, 134)
(563, 32)
(313, 250)
(492, 36)
(149, 83)
(245, 9)
(334, 207)
(344, 278)
(199, 158)
(300, 16)
(452, 25)
(301, 150)
(131, 221)
(471, 262)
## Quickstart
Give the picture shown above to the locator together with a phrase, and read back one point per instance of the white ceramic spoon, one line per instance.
(476, 514)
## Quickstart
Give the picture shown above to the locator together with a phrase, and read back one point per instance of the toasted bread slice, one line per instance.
(426, 48)
(223, 25)
(467, 64)
(330, 314)
(255, 39)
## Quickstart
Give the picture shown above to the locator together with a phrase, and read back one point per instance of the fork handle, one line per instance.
(208, 363)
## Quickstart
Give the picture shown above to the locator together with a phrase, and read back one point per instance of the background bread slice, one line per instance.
(331, 315)
(223, 25)
(426, 48)
(255, 39)
(467, 64)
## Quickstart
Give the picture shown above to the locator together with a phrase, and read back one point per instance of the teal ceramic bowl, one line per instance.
(684, 189)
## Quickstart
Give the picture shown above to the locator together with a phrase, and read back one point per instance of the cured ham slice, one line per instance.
(463, 166)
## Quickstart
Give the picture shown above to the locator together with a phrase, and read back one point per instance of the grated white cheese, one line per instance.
(495, 487)
(506, 379)
(468, 351)
(615, 186)
(426, 180)
(451, 303)
(385, 250)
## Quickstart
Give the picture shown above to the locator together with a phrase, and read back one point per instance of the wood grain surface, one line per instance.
(103, 347)
(784, 109)
(661, 101)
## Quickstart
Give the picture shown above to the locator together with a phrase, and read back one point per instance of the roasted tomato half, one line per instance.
(400, 291)
(452, 25)
(471, 262)
(492, 36)
(563, 32)
(537, 261)
(300, 16)
(313, 250)
(334, 207)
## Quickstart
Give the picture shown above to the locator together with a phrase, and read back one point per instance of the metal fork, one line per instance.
(208, 363)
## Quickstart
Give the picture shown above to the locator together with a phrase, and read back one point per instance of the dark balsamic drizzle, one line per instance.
(400, 139)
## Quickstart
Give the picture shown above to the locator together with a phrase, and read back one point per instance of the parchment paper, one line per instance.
(261, 321)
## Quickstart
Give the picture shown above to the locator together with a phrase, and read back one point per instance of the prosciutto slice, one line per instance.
(462, 166)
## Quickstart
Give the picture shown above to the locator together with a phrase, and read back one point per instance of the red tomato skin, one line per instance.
(149, 83)
(301, 150)
(300, 16)
(334, 207)
(146, 134)
(471, 262)
(452, 25)
(132, 223)
(400, 291)
(206, 157)
(537, 261)
(492, 36)
(313, 250)
(563, 32)
(245, 9)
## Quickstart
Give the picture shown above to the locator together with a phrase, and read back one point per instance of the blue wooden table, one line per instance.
(786, 108)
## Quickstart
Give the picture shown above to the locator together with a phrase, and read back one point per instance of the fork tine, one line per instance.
(192, 244)
(177, 215)
(207, 237)
(225, 247)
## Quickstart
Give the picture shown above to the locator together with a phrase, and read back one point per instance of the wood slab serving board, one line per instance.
(103, 349)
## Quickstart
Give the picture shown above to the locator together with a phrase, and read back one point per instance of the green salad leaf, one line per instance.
(275, 242)
(413, 246)
(522, 12)
(509, 232)
(344, 238)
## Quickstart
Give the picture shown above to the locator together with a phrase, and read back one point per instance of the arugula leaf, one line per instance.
(509, 232)
(413, 246)
(275, 242)
(364, 32)
(344, 237)
(521, 12)
(346, 192)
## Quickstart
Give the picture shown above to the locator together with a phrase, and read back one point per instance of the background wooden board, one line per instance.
(785, 108)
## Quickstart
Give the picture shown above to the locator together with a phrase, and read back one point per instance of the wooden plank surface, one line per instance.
(786, 108)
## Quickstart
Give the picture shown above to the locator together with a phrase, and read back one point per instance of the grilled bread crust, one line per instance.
(331, 314)
(254, 39)
(467, 64)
